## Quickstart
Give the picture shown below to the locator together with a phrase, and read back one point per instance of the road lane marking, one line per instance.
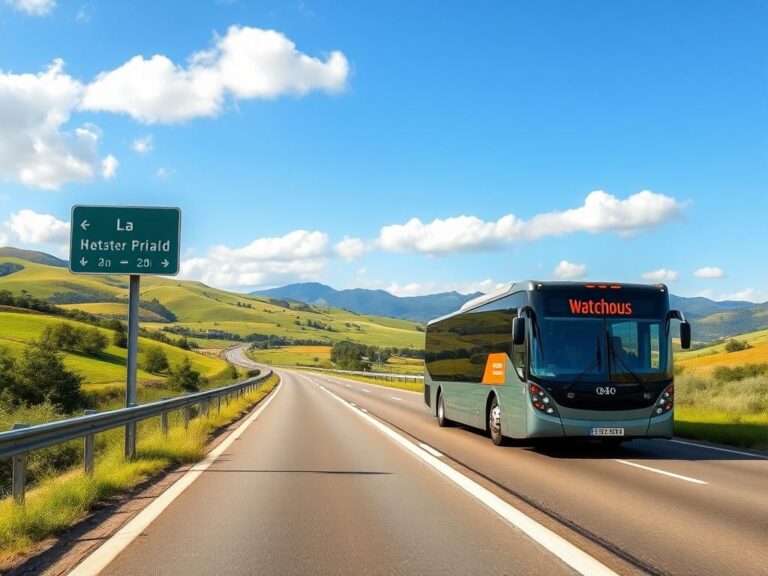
(740, 452)
(396, 398)
(365, 390)
(107, 552)
(348, 385)
(364, 410)
(431, 450)
(664, 472)
(353, 404)
(576, 558)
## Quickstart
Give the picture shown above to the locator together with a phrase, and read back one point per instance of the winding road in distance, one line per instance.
(338, 476)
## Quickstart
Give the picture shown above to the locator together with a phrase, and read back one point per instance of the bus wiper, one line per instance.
(619, 360)
(598, 361)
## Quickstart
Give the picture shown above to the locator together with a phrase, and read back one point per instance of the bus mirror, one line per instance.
(518, 331)
(685, 335)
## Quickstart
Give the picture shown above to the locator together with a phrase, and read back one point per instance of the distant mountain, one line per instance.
(377, 302)
(711, 320)
(32, 256)
(700, 307)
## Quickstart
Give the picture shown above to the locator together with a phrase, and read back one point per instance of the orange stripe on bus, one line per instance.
(495, 369)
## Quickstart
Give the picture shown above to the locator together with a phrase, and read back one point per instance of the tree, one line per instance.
(349, 356)
(91, 341)
(183, 377)
(41, 375)
(61, 336)
(155, 360)
(120, 337)
(8, 380)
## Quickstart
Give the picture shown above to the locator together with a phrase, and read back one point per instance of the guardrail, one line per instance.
(17, 443)
(389, 376)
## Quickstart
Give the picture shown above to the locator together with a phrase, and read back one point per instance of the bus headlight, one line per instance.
(665, 402)
(541, 400)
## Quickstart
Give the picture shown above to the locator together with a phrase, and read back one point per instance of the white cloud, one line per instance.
(422, 289)
(245, 63)
(350, 248)
(601, 212)
(143, 145)
(748, 294)
(164, 173)
(709, 272)
(300, 255)
(33, 7)
(567, 270)
(660, 275)
(109, 167)
(33, 147)
(31, 227)
(84, 14)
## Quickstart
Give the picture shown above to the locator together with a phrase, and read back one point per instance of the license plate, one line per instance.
(606, 432)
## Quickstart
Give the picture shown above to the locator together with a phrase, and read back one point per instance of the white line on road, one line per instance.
(365, 390)
(353, 404)
(664, 472)
(740, 452)
(396, 398)
(108, 551)
(348, 385)
(431, 450)
(364, 410)
(557, 545)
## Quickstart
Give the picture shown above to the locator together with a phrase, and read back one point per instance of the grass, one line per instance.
(17, 329)
(57, 503)
(304, 356)
(732, 412)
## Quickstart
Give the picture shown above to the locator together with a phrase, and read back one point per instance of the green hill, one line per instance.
(201, 309)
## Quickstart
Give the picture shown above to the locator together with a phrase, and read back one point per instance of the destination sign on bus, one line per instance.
(601, 307)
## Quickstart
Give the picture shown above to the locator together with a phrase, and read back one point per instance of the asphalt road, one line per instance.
(313, 487)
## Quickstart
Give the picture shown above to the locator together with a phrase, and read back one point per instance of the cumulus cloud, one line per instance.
(350, 248)
(709, 272)
(32, 227)
(748, 294)
(300, 255)
(424, 288)
(109, 167)
(33, 7)
(143, 145)
(34, 149)
(601, 212)
(660, 275)
(568, 270)
(246, 63)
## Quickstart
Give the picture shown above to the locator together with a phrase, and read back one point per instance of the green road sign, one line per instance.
(124, 240)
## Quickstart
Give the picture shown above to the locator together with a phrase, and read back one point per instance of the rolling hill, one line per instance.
(201, 310)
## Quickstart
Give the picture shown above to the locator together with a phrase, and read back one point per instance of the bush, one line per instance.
(734, 345)
(728, 374)
(91, 341)
(41, 376)
(183, 377)
(155, 360)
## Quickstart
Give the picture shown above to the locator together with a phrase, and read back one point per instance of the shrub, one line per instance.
(155, 360)
(183, 377)
(734, 345)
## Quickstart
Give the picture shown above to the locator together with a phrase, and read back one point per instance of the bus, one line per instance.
(557, 360)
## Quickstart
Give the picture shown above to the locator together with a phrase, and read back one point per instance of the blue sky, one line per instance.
(410, 146)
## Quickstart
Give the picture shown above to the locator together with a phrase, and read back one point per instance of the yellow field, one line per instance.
(116, 309)
(705, 360)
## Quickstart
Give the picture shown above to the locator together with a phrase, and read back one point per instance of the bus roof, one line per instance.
(529, 285)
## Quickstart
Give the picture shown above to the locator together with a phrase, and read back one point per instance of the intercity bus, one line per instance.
(557, 359)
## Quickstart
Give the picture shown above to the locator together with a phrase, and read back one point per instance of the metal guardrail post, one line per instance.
(205, 408)
(130, 439)
(164, 422)
(89, 448)
(185, 410)
(19, 463)
(218, 404)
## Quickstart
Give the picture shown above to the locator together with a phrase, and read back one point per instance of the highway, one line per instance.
(328, 479)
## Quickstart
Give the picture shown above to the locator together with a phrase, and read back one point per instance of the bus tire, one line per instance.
(494, 422)
(442, 421)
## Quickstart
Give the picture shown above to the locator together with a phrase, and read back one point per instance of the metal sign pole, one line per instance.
(133, 349)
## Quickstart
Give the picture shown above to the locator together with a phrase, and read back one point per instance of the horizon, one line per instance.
(301, 143)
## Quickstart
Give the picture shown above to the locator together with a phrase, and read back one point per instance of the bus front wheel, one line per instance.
(442, 421)
(494, 422)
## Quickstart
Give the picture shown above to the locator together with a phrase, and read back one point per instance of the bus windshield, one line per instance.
(593, 339)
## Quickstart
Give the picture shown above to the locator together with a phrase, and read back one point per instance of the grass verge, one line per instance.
(411, 386)
(59, 502)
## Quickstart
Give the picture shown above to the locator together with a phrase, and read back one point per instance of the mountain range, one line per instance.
(713, 319)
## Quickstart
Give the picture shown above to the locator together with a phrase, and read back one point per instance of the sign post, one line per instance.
(126, 240)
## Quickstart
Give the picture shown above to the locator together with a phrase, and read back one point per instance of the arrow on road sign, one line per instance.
(165, 263)
(84, 225)
(83, 261)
